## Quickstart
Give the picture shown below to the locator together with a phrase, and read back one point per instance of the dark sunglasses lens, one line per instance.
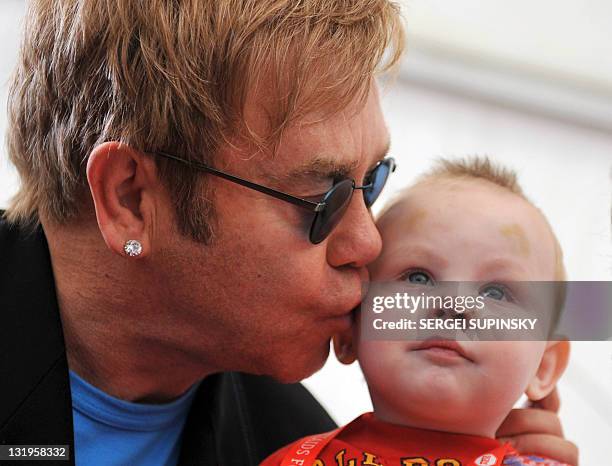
(378, 179)
(336, 202)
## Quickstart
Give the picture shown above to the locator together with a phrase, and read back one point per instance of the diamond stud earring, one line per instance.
(132, 248)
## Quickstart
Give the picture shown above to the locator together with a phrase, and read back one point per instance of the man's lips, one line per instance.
(444, 347)
(348, 311)
(354, 299)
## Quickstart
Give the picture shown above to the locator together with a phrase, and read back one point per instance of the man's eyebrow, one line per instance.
(322, 167)
(325, 167)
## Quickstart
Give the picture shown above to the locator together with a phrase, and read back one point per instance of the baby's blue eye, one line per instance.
(418, 277)
(494, 292)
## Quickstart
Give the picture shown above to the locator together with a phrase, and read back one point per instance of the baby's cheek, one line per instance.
(380, 360)
(512, 364)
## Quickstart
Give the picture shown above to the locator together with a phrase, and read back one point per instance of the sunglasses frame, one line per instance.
(315, 207)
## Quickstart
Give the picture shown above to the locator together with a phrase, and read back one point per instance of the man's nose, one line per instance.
(355, 241)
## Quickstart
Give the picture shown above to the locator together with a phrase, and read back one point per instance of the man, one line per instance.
(192, 166)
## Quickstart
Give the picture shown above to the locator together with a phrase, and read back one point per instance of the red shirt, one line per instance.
(367, 441)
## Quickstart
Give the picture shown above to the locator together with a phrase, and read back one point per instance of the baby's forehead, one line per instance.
(468, 211)
(457, 192)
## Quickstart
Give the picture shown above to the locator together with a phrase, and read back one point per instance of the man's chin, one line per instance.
(300, 367)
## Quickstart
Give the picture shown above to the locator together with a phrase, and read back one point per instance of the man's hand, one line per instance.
(537, 430)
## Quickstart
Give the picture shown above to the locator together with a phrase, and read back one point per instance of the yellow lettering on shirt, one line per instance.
(340, 459)
(447, 462)
(368, 460)
(415, 462)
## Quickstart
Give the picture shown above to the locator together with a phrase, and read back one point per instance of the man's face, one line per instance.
(262, 298)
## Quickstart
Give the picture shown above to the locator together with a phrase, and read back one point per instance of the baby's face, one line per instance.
(457, 230)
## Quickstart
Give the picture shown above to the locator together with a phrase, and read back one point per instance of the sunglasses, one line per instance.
(329, 210)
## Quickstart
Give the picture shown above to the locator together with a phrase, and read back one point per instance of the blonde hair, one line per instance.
(478, 168)
(175, 75)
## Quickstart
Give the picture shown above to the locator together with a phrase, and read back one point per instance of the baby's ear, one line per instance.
(553, 364)
(344, 347)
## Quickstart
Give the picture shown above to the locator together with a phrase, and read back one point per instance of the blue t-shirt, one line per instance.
(109, 431)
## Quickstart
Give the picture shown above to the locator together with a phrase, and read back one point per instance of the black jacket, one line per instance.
(236, 419)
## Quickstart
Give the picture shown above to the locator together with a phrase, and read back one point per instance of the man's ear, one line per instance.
(553, 364)
(121, 181)
(344, 346)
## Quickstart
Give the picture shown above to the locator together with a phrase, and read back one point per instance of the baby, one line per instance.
(440, 402)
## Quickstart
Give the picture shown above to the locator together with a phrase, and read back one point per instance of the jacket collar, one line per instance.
(36, 406)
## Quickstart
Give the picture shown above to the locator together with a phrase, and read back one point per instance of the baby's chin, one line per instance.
(439, 399)
(440, 387)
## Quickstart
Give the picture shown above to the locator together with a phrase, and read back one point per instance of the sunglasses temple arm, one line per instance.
(312, 206)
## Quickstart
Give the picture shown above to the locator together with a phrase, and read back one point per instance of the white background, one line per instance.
(528, 83)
